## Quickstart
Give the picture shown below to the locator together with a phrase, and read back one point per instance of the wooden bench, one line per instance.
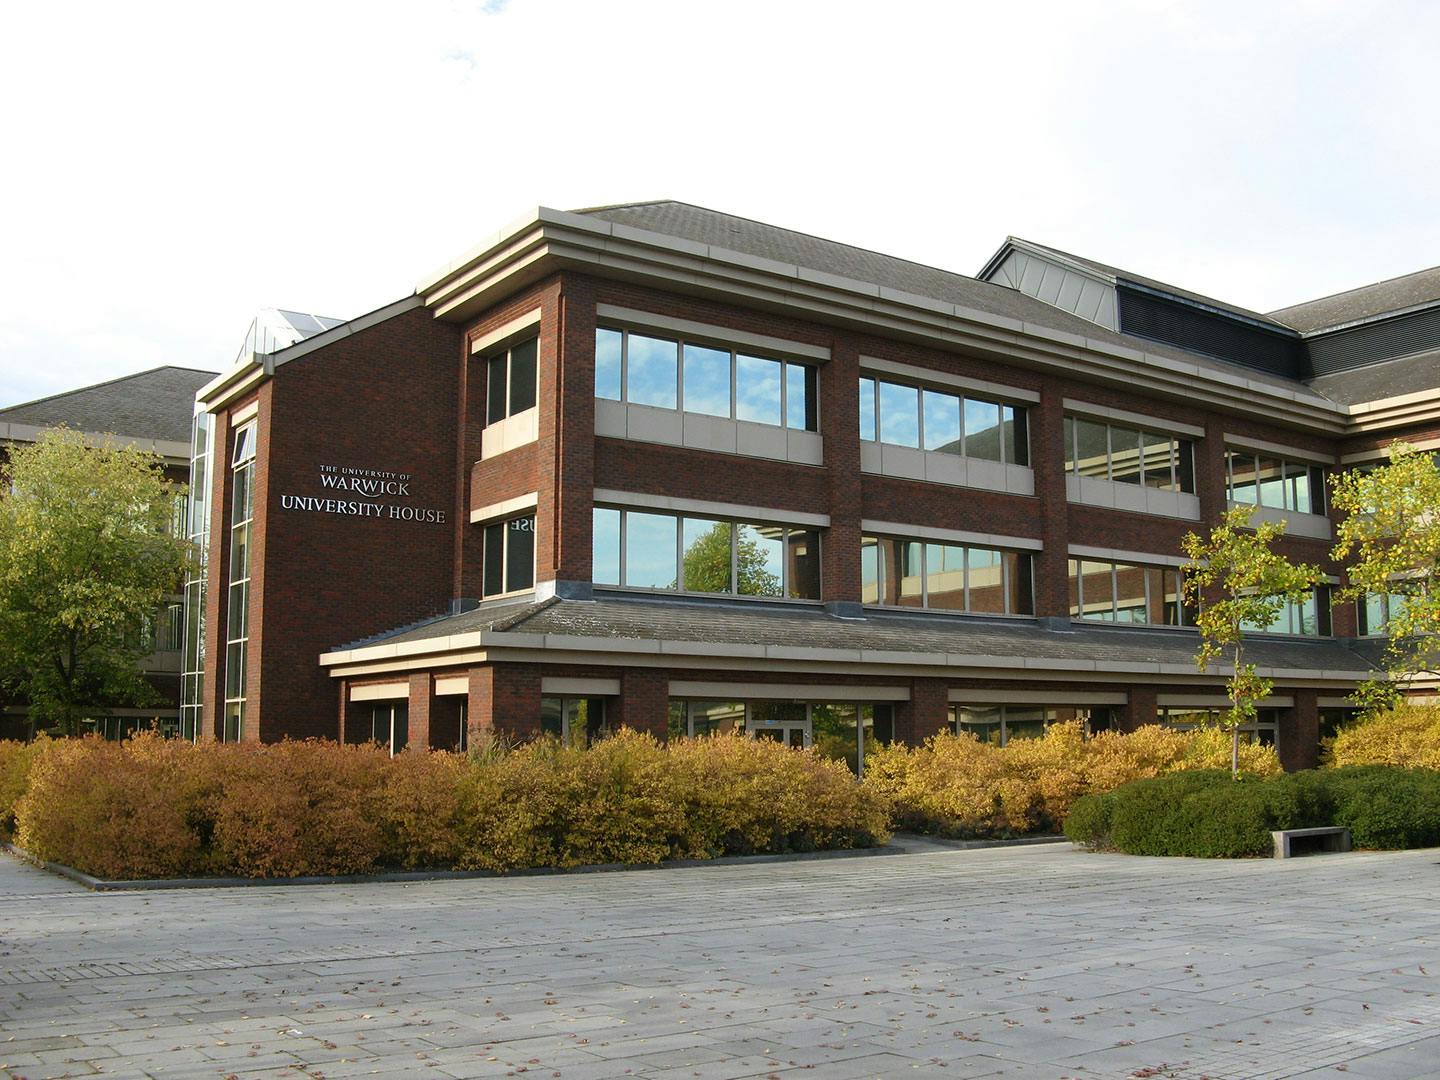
(1290, 843)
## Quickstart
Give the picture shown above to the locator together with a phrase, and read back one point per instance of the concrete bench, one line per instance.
(1290, 843)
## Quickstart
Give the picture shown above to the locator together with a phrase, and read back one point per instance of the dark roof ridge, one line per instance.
(105, 382)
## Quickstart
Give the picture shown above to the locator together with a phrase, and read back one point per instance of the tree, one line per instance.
(1239, 585)
(87, 556)
(706, 564)
(1391, 530)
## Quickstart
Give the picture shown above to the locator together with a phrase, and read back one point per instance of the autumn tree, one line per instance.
(87, 557)
(1240, 585)
(1390, 540)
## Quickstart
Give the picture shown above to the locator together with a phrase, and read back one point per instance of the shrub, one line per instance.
(1408, 736)
(16, 761)
(419, 809)
(1386, 807)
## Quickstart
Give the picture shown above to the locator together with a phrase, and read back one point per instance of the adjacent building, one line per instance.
(665, 467)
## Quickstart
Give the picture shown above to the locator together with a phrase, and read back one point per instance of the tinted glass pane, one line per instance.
(1160, 608)
(1092, 446)
(870, 577)
(986, 577)
(757, 389)
(1185, 466)
(1372, 614)
(240, 553)
(1069, 444)
(867, 410)
(942, 422)
(707, 381)
(1125, 455)
(1130, 594)
(237, 612)
(605, 546)
(802, 568)
(705, 555)
(1098, 589)
(716, 717)
(1242, 478)
(1023, 723)
(982, 721)
(1019, 583)
(1159, 460)
(800, 397)
(522, 376)
(520, 554)
(1297, 487)
(494, 573)
(495, 398)
(1272, 482)
(1306, 620)
(1073, 566)
(982, 429)
(836, 734)
(650, 550)
(760, 560)
(244, 491)
(899, 414)
(945, 576)
(607, 363)
(1317, 488)
(901, 560)
(651, 371)
(552, 717)
(1017, 435)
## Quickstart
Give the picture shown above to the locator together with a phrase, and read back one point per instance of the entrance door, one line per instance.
(786, 722)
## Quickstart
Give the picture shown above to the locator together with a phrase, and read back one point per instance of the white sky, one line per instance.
(170, 168)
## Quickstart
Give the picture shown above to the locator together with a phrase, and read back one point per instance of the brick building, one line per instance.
(659, 466)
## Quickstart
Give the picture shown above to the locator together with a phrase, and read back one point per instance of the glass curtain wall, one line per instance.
(237, 632)
(197, 529)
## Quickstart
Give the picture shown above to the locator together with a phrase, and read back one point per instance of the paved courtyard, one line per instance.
(1015, 962)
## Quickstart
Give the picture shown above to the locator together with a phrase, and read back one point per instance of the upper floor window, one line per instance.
(1375, 611)
(707, 379)
(946, 577)
(1128, 455)
(1309, 618)
(647, 550)
(509, 561)
(927, 419)
(1106, 591)
(510, 380)
(1265, 480)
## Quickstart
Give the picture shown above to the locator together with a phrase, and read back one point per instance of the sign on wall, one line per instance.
(364, 493)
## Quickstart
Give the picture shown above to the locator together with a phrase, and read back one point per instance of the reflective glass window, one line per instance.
(1244, 486)
(985, 575)
(1022, 722)
(1125, 465)
(707, 380)
(1017, 435)
(705, 555)
(1092, 448)
(760, 560)
(1270, 473)
(1129, 594)
(605, 546)
(802, 566)
(1297, 487)
(522, 375)
(942, 421)
(519, 554)
(1019, 582)
(495, 397)
(982, 429)
(1159, 451)
(1097, 586)
(494, 573)
(651, 371)
(945, 576)
(871, 581)
(867, 409)
(650, 551)
(607, 363)
(801, 398)
(899, 414)
(757, 389)
(982, 721)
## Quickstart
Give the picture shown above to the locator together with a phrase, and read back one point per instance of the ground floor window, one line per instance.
(998, 724)
(390, 725)
(575, 721)
(842, 731)
(1264, 730)
(1332, 720)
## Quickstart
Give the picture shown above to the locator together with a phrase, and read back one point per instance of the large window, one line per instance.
(1105, 591)
(509, 557)
(947, 577)
(192, 659)
(510, 381)
(927, 419)
(641, 549)
(998, 724)
(1375, 610)
(839, 730)
(1266, 480)
(575, 721)
(1262, 730)
(709, 379)
(237, 632)
(1309, 618)
(1128, 455)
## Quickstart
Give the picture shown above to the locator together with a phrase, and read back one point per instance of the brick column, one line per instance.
(840, 425)
(1299, 734)
(926, 713)
(1210, 482)
(1047, 458)
(505, 700)
(422, 705)
(1139, 710)
(644, 703)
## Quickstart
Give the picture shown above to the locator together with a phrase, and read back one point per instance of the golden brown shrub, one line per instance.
(1408, 735)
(16, 760)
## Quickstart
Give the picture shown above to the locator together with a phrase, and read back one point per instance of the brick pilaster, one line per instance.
(927, 712)
(1299, 736)
(422, 706)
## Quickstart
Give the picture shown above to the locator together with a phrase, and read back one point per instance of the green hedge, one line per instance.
(1209, 815)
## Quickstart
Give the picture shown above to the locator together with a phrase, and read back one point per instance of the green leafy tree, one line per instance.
(87, 557)
(1239, 585)
(1391, 536)
(706, 564)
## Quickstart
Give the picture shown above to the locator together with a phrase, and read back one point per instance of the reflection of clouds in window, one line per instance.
(651, 372)
(605, 546)
(757, 389)
(899, 414)
(942, 422)
(607, 364)
(982, 429)
(707, 380)
(867, 409)
(650, 551)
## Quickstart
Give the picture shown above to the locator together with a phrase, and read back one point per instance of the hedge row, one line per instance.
(151, 807)
(1408, 736)
(957, 786)
(1210, 815)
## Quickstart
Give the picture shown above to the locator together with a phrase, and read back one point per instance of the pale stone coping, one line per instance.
(873, 365)
(452, 684)
(1036, 697)
(1245, 442)
(245, 412)
(589, 687)
(510, 433)
(380, 691)
(1311, 526)
(1383, 453)
(1115, 555)
(726, 691)
(643, 501)
(957, 536)
(505, 331)
(1149, 423)
(1217, 701)
(504, 508)
(633, 318)
(1131, 498)
(229, 385)
(29, 433)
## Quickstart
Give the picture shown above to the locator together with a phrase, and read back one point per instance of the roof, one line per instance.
(1367, 302)
(611, 617)
(157, 404)
(1115, 274)
(1385, 379)
(704, 226)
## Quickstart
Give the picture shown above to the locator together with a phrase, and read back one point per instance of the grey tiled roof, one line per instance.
(1395, 294)
(1389, 378)
(704, 226)
(618, 617)
(155, 404)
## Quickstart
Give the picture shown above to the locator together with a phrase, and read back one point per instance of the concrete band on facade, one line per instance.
(395, 501)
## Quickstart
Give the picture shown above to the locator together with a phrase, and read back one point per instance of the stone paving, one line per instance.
(1014, 962)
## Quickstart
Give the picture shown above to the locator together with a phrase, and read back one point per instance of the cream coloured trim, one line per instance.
(641, 500)
(645, 320)
(1244, 442)
(422, 664)
(506, 331)
(787, 691)
(1114, 555)
(236, 383)
(239, 416)
(589, 687)
(1216, 701)
(1036, 697)
(505, 508)
(957, 536)
(452, 684)
(380, 691)
(875, 365)
(1150, 423)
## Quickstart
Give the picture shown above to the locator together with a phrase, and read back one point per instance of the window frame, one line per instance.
(508, 352)
(1007, 586)
(503, 524)
(1177, 456)
(1315, 481)
(1075, 573)
(1018, 410)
